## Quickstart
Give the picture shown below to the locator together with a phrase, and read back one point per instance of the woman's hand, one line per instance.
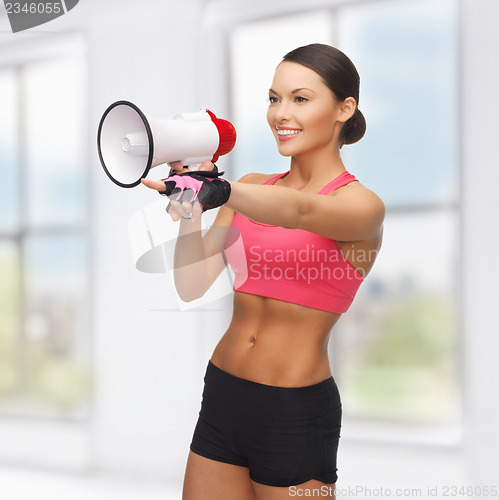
(180, 209)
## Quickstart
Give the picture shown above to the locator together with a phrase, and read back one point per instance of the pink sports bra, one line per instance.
(292, 265)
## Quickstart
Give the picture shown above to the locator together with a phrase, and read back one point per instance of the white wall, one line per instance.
(480, 81)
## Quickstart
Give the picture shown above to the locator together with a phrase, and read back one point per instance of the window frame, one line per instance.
(220, 17)
(61, 441)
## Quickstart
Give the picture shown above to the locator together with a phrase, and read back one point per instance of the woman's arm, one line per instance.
(352, 214)
(199, 260)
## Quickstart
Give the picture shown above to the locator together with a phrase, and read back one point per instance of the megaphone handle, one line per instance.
(190, 167)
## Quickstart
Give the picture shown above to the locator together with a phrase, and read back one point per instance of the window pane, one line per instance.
(9, 319)
(406, 55)
(399, 341)
(9, 202)
(396, 351)
(256, 50)
(56, 130)
(56, 357)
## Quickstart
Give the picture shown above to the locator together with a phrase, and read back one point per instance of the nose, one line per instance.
(282, 112)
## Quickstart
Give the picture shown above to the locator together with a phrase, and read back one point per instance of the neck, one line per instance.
(316, 167)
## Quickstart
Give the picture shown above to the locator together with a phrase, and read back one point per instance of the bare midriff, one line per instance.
(275, 342)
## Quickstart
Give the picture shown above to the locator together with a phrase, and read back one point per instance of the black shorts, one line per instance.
(284, 435)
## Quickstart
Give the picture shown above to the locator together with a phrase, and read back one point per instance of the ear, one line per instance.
(347, 109)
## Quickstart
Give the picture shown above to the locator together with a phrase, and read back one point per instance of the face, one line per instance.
(303, 112)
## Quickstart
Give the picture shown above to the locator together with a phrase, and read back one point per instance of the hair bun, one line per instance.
(354, 128)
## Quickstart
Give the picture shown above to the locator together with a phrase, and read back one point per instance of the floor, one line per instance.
(26, 484)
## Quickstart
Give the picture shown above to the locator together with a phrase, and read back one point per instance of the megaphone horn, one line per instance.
(129, 144)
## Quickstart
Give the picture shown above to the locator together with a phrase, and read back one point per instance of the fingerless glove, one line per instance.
(204, 186)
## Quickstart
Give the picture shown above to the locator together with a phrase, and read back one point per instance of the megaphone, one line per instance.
(130, 145)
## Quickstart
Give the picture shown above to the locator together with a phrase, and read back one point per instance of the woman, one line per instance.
(270, 418)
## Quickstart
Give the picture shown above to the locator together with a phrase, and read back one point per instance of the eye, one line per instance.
(300, 98)
(272, 99)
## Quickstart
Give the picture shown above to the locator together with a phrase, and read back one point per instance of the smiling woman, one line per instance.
(271, 411)
(301, 119)
(339, 74)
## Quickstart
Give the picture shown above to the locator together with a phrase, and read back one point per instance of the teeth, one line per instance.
(287, 132)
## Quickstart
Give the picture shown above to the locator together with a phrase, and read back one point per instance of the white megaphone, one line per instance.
(130, 145)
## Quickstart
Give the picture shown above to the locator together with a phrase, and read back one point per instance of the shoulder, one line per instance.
(255, 178)
(363, 197)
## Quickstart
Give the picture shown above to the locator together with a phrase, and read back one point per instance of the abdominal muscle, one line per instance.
(275, 342)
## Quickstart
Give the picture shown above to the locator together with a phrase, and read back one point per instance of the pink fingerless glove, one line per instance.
(202, 185)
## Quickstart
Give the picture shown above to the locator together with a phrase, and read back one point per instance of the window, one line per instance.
(395, 353)
(44, 342)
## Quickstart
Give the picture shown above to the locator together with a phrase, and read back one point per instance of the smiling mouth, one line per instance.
(288, 132)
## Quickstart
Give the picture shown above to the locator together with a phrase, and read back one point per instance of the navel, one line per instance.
(252, 340)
